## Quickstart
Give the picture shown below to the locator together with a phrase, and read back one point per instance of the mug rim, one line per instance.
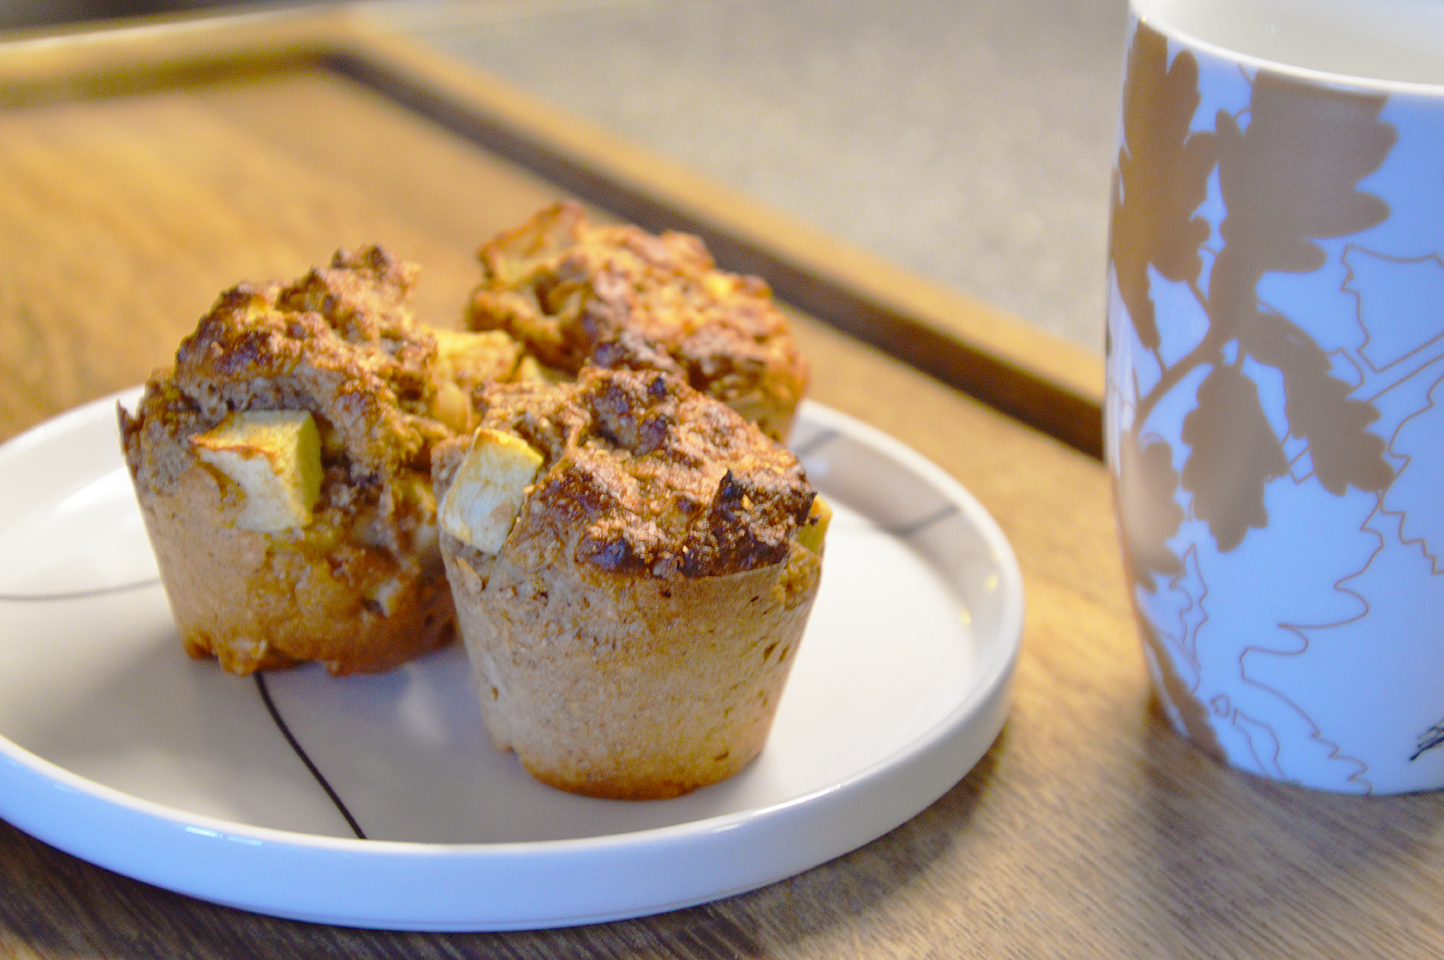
(1316, 75)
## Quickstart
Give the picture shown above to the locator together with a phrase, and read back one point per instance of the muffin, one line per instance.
(283, 469)
(633, 565)
(577, 294)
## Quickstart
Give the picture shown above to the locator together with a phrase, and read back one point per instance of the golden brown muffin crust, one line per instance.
(339, 342)
(660, 479)
(616, 296)
(632, 636)
(361, 586)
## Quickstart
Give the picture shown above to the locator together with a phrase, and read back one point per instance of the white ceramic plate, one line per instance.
(116, 747)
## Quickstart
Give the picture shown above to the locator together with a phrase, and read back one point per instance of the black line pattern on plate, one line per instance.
(918, 526)
(79, 594)
(301, 753)
(811, 446)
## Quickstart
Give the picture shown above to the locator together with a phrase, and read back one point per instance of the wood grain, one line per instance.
(1089, 830)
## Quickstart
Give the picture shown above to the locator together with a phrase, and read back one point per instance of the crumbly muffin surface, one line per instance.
(339, 342)
(658, 479)
(361, 586)
(616, 296)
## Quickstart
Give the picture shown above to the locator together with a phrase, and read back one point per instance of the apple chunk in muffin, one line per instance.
(488, 489)
(274, 457)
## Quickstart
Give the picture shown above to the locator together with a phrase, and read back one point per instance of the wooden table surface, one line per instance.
(143, 171)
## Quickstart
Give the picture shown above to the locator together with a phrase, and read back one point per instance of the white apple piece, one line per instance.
(475, 355)
(488, 489)
(274, 456)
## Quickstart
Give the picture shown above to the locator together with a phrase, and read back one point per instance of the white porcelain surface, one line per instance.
(116, 747)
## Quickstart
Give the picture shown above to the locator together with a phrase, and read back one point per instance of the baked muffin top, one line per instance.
(340, 342)
(659, 479)
(576, 293)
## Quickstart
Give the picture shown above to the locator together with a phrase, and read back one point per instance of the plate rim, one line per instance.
(977, 717)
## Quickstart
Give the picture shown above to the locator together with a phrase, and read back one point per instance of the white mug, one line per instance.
(1275, 409)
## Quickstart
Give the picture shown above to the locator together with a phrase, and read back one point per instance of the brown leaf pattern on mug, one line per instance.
(1235, 453)
(1151, 514)
(1192, 712)
(1162, 178)
(1289, 169)
(1287, 179)
(1319, 409)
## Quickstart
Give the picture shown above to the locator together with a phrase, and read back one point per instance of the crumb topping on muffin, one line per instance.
(284, 467)
(619, 297)
(339, 342)
(659, 479)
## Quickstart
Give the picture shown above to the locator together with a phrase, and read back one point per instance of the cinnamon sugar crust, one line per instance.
(579, 294)
(340, 343)
(659, 479)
